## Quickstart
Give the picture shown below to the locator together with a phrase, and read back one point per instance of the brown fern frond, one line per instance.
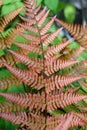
(7, 107)
(11, 36)
(51, 37)
(83, 108)
(58, 65)
(26, 76)
(72, 54)
(51, 51)
(47, 26)
(65, 124)
(18, 118)
(52, 122)
(8, 82)
(38, 66)
(72, 90)
(79, 69)
(29, 47)
(26, 100)
(76, 30)
(7, 18)
(63, 99)
(82, 116)
(9, 59)
(40, 23)
(2, 44)
(59, 81)
(29, 28)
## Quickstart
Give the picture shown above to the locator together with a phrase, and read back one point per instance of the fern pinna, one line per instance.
(47, 76)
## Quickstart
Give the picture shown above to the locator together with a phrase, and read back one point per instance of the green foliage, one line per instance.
(52, 5)
(70, 12)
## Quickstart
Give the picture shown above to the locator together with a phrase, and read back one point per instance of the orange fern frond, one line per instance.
(51, 51)
(27, 61)
(58, 65)
(51, 37)
(8, 82)
(7, 107)
(59, 82)
(76, 30)
(26, 100)
(52, 122)
(83, 108)
(18, 118)
(7, 18)
(63, 99)
(29, 47)
(25, 75)
(65, 124)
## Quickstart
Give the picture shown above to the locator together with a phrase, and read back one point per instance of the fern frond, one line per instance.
(7, 107)
(51, 37)
(63, 99)
(59, 82)
(58, 65)
(83, 108)
(52, 122)
(38, 66)
(51, 51)
(45, 29)
(18, 118)
(2, 44)
(25, 76)
(65, 124)
(8, 82)
(11, 36)
(26, 100)
(76, 30)
(7, 18)
(79, 69)
(29, 47)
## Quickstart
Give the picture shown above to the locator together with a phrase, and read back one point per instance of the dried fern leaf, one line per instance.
(30, 47)
(51, 37)
(58, 65)
(26, 76)
(52, 122)
(65, 124)
(8, 107)
(59, 82)
(26, 100)
(2, 44)
(51, 51)
(77, 31)
(38, 66)
(10, 38)
(8, 82)
(45, 29)
(63, 99)
(7, 18)
(18, 118)
(79, 69)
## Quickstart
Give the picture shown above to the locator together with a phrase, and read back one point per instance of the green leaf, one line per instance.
(11, 7)
(69, 13)
(61, 6)
(9, 1)
(52, 5)
(39, 2)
